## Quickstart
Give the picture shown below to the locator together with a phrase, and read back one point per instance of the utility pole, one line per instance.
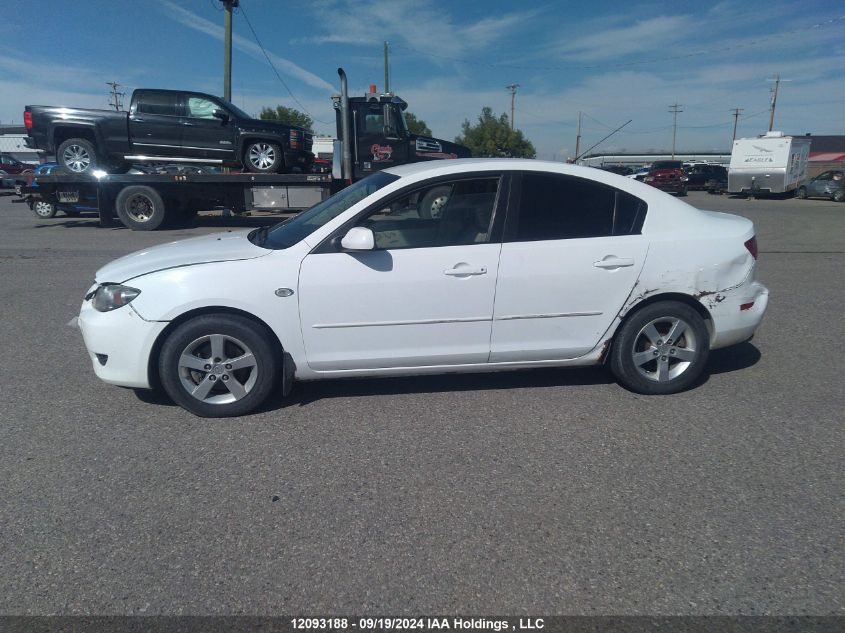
(386, 73)
(578, 136)
(116, 97)
(512, 89)
(228, 5)
(674, 109)
(776, 79)
(736, 112)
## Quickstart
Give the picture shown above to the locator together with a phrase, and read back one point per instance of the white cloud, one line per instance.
(419, 24)
(252, 49)
(616, 43)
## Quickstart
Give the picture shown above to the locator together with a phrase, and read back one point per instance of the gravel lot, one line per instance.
(548, 491)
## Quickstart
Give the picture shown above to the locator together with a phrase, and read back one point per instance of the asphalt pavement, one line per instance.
(548, 491)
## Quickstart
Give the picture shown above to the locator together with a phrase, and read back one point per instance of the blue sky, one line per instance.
(612, 60)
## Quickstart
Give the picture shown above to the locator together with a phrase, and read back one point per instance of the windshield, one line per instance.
(289, 232)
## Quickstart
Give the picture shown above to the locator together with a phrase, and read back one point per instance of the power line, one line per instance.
(278, 76)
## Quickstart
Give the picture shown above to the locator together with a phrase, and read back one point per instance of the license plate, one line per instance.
(68, 196)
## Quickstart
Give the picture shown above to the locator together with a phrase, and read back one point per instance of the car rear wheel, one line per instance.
(801, 192)
(661, 349)
(219, 365)
(263, 157)
(77, 155)
(140, 208)
(44, 209)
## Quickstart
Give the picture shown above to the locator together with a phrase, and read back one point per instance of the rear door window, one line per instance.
(559, 207)
(158, 103)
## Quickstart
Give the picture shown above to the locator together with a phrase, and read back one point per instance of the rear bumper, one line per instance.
(734, 320)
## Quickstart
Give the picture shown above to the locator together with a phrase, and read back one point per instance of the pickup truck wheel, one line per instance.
(44, 209)
(77, 155)
(434, 202)
(140, 208)
(263, 158)
(219, 365)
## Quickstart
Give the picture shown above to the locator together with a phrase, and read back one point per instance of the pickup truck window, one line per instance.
(158, 103)
(200, 108)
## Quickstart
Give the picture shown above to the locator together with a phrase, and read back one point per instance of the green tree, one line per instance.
(415, 125)
(492, 137)
(291, 116)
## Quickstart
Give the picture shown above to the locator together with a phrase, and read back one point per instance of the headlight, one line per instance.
(113, 296)
(648, 178)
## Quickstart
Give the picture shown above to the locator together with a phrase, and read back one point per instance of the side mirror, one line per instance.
(220, 114)
(358, 238)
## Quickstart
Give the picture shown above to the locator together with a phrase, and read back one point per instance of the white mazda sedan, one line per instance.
(443, 266)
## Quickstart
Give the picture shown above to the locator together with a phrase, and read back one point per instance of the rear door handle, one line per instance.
(614, 262)
(465, 271)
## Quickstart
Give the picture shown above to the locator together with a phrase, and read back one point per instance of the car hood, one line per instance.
(218, 247)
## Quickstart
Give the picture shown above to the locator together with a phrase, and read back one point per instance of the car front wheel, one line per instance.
(839, 196)
(219, 365)
(661, 349)
(801, 193)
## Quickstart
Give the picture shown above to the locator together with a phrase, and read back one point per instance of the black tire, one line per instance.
(44, 210)
(801, 193)
(77, 155)
(839, 196)
(234, 337)
(432, 204)
(140, 208)
(263, 157)
(636, 359)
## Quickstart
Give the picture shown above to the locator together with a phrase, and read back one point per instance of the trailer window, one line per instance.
(290, 232)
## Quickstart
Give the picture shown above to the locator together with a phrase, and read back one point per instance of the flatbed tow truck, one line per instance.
(372, 135)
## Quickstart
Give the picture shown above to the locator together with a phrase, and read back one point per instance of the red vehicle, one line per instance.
(669, 176)
(12, 165)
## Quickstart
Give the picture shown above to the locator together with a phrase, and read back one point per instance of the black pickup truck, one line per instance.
(167, 126)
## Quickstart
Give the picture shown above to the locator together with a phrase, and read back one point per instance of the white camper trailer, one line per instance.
(772, 163)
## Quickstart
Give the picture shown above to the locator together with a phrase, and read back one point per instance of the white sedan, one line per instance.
(444, 266)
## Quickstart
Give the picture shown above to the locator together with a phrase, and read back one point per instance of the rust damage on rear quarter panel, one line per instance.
(605, 348)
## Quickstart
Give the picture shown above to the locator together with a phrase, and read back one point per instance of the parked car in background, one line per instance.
(7, 181)
(13, 166)
(668, 176)
(640, 173)
(699, 174)
(830, 184)
(372, 282)
(46, 209)
(621, 170)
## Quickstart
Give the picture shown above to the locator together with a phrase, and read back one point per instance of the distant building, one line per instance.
(11, 142)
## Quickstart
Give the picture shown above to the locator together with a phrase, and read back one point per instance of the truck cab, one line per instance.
(380, 136)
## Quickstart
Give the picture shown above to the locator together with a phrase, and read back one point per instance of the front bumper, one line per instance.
(733, 324)
(669, 186)
(119, 344)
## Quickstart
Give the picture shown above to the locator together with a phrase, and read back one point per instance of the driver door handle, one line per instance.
(614, 262)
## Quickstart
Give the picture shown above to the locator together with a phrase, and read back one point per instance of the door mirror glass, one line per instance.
(220, 114)
(358, 238)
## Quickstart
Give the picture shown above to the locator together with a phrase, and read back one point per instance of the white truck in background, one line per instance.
(768, 164)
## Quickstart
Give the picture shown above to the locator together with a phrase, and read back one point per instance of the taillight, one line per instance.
(751, 245)
(27, 120)
(294, 139)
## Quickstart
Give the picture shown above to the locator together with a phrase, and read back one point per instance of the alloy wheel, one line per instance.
(664, 349)
(76, 158)
(217, 369)
(262, 155)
